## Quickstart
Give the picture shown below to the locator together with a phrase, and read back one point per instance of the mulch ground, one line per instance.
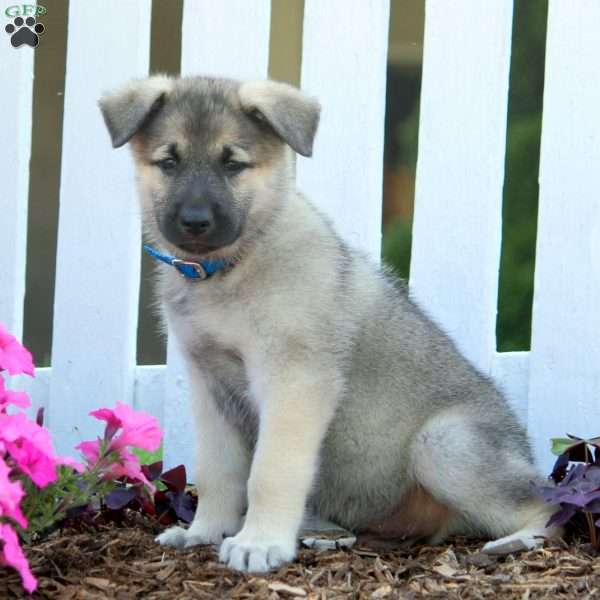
(123, 563)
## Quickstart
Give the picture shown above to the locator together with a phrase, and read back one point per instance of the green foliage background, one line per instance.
(521, 179)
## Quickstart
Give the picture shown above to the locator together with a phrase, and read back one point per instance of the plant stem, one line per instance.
(592, 528)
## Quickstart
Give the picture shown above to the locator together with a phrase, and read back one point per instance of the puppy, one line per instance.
(318, 384)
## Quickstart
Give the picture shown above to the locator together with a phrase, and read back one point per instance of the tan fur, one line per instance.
(418, 516)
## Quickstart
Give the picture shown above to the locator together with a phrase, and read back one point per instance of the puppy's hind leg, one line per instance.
(483, 476)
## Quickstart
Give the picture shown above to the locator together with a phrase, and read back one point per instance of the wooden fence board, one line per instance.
(564, 392)
(457, 224)
(344, 65)
(16, 71)
(98, 255)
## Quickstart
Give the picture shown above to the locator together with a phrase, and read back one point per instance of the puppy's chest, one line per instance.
(201, 316)
(218, 336)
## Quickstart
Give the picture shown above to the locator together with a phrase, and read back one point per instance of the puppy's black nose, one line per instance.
(196, 220)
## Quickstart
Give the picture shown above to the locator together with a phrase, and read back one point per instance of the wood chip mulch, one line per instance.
(123, 563)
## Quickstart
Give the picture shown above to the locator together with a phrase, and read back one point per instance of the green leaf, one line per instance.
(147, 458)
(561, 445)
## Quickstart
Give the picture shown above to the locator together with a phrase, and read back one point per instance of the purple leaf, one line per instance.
(593, 506)
(121, 497)
(560, 468)
(81, 484)
(579, 498)
(575, 472)
(183, 505)
(580, 451)
(39, 417)
(153, 471)
(78, 511)
(562, 516)
(580, 486)
(592, 474)
(175, 479)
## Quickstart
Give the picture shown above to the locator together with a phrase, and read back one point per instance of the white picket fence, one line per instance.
(457, 227)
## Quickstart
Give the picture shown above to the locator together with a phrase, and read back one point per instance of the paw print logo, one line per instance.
(24, 32)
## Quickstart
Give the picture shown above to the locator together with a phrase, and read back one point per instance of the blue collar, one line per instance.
(192, 270)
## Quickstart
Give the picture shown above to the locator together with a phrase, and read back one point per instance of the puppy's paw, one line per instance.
(517, 542)
(200, 532)
(257, 553)
(174, 536)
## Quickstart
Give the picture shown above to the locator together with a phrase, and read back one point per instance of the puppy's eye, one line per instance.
(167, 165)
(234, 166)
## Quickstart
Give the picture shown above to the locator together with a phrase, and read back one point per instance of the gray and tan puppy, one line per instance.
(316, 381)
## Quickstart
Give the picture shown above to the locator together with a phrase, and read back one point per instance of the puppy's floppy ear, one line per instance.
(292, 115)
(128, 109)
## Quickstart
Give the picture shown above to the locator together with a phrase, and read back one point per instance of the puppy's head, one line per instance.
(212, 155)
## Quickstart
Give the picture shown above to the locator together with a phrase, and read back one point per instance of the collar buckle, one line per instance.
(190, 269)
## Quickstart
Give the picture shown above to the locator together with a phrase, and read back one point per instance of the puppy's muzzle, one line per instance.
(196, 220)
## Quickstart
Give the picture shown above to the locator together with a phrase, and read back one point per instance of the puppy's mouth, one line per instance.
(198, 248)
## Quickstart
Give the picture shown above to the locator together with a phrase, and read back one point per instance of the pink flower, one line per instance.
(126, 463)
(139, 429)
(90, 450)
(30, 446)
(11, 493)
(13, 356)
(7, 397)
(12, 555)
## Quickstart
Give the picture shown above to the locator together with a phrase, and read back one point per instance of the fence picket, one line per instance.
(510, 371)
(98, 255)
(344, 57)
(227, 39)
(16, 70)
(205, 25)
(460, 172)
(564, 390)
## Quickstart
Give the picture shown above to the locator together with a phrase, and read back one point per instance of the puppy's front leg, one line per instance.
(297, 403)
(222, 466)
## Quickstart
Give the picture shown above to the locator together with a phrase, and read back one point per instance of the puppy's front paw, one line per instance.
(205, 531)
(256, 553)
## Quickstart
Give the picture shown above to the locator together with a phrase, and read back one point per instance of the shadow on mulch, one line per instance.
(124, 563)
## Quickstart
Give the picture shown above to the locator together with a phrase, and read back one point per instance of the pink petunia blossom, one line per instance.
(90, 450)
(138, 428)
(14, 357)
(30, 446)
(11, 493)
(12, 555)
(7, 397)
(126, 463)
(39, 467)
